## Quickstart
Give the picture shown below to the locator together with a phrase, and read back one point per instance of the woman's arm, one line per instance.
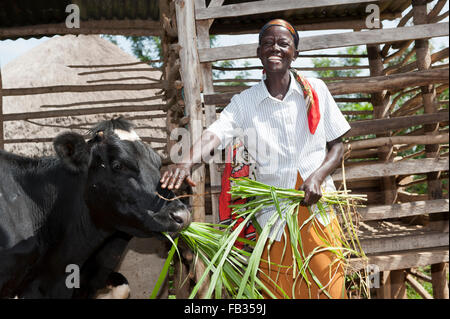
(312, 185)
(177, 173)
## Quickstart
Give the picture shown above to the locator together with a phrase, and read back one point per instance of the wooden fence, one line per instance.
(393, 236)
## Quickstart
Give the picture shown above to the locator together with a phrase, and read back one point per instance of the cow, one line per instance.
(78, 210)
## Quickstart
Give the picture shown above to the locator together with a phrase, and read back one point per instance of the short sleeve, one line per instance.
(335, 124)
(229, 122)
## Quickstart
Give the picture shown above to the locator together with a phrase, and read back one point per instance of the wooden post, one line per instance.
(210, 110)
(381, 102)
(170, 75)
(438, 271)
(190, 66)
(398, 284)
(384, 292)
(2, 141)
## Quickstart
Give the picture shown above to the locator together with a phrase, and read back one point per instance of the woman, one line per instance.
(293, 130)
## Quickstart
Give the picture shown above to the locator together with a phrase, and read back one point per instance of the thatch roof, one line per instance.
(65, 60)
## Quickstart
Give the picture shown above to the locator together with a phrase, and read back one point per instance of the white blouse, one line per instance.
(276, 134)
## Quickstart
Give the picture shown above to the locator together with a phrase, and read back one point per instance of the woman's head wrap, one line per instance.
(281, 23)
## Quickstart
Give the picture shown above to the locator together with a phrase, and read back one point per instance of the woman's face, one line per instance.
(277, 50)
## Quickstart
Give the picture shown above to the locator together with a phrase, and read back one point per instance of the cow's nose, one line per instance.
(181, 217)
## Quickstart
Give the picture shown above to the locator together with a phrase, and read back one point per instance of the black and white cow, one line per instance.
(79, 208)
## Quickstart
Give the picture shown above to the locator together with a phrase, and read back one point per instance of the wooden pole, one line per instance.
(190, 65)
(390, 141)
(170, 72)
(210, 110)
(83, 88)
(438, 271)
(418, 287)
(81, 112)
(398, 284)
(381, 102)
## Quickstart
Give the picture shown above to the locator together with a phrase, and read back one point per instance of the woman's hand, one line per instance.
(312, 189)
(312, 185)
(174, 176)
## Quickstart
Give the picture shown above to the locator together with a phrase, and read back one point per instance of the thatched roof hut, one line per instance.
(85, 61)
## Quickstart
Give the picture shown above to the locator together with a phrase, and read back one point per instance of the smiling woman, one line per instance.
(292, 128)
(277, 50)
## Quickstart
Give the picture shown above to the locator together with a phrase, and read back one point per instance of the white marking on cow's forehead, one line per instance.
(127, 136)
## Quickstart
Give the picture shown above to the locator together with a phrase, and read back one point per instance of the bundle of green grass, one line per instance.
(234, 273)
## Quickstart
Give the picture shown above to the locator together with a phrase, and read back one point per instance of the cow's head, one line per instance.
(122, 185)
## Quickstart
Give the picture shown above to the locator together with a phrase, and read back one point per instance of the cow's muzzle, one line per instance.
(181, 216)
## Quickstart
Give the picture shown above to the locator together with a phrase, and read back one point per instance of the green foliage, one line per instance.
(110, 38)
(146, 48)
(326, 62)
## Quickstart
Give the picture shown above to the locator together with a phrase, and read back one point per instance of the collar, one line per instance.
(263, 93)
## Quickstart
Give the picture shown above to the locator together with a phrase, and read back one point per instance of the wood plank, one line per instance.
(404, 209)
(364, 85)
(82, 88)
(422, 240)
(406, 167)
(249, 8)
(389, 82)
(336, 40)
(384, 125)
(308, 24)
(404, 259)
(389, 141)
(86, 111)
(50, 139)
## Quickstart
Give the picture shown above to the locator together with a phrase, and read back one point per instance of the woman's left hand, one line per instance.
(312, 190)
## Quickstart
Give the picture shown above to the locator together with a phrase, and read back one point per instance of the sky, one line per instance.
(11, 49)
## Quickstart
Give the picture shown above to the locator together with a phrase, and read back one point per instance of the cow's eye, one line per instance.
(117, 166)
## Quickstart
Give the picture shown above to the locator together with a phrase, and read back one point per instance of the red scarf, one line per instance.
(312, 101)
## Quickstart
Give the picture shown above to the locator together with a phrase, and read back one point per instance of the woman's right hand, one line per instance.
(174, 176)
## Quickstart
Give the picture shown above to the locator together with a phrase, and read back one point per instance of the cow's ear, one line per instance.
(72, 150)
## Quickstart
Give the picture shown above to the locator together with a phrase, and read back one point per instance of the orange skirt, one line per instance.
(324, 265)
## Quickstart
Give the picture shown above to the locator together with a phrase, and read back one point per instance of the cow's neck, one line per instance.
(67, 234)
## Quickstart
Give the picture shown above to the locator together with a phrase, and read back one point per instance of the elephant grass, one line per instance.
(235, 273)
